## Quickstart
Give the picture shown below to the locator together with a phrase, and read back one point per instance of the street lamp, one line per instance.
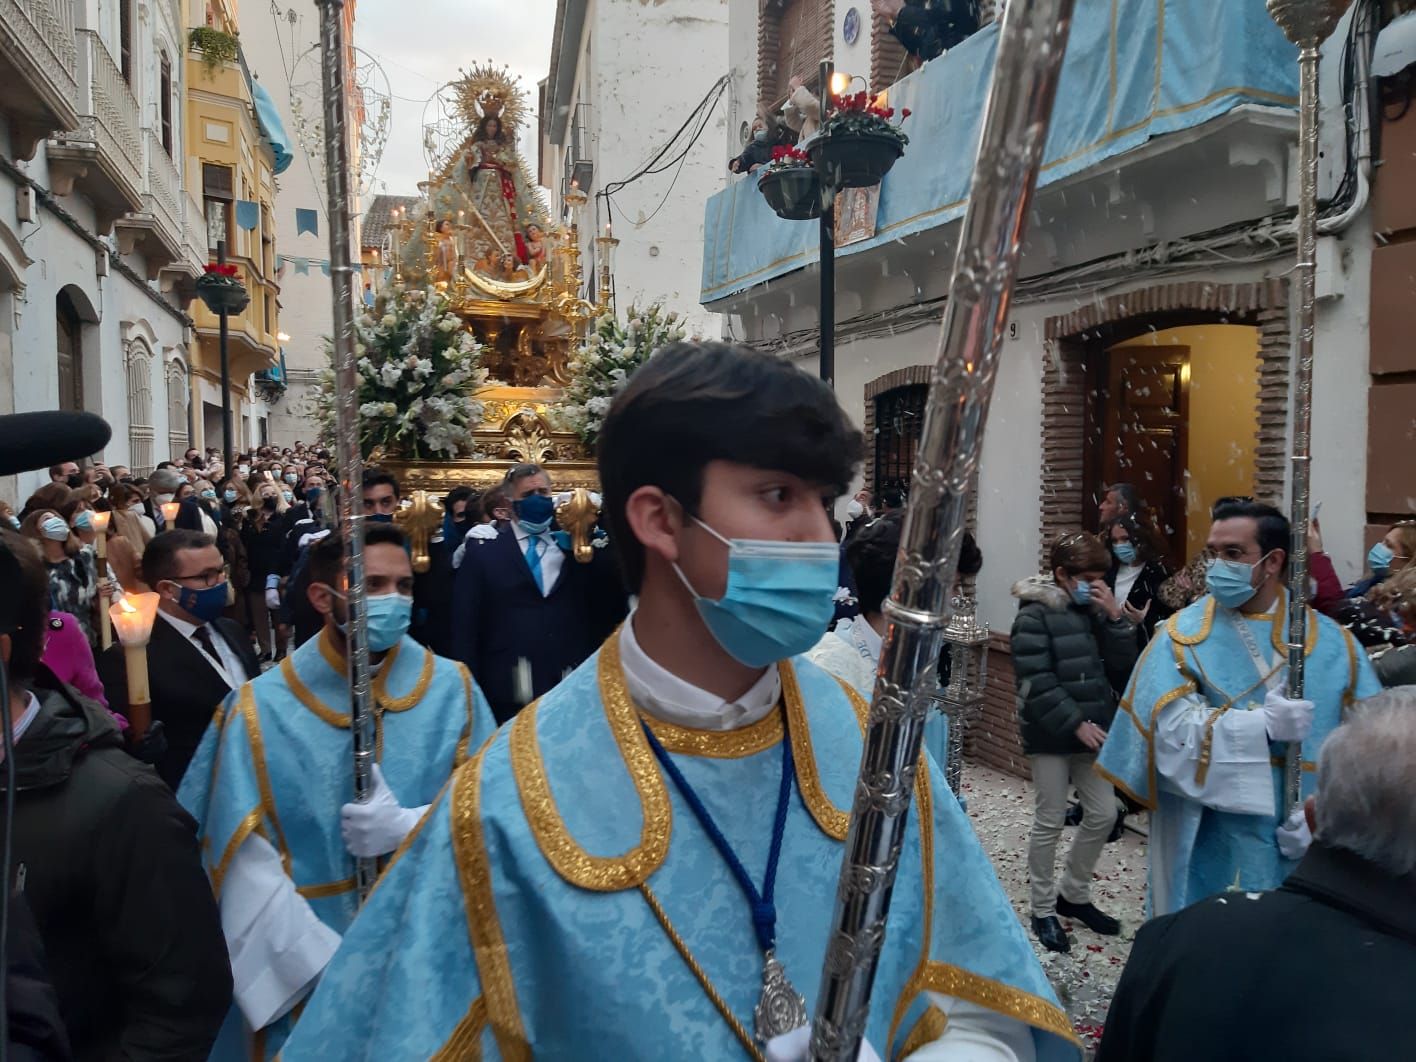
(223, 295)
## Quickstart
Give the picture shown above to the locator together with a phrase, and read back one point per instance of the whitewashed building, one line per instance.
(1151, 330)
(99, 243)
(624, 76)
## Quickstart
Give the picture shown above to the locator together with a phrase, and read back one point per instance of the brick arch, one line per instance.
(1070, 338)
(911, 374)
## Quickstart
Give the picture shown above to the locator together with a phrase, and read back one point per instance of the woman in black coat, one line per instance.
(1136, 574)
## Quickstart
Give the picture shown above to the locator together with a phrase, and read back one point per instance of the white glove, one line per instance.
(272, 598)
(1287, 720)
(313, 537)
(792, 1047)
(564, 496)
(1294, 836)
(378, 827)
(483, 531)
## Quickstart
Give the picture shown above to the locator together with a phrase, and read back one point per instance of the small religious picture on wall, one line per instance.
(856, 209)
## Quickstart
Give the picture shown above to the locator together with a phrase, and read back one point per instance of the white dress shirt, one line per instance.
(230, 668)
(657, 690)
(552, 556)
(974, 1033)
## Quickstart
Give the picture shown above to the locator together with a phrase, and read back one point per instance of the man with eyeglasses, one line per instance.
(196, 656)
(1206, 720)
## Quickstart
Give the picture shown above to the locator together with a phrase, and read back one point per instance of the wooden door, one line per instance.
(70, 354)
(1145, 439)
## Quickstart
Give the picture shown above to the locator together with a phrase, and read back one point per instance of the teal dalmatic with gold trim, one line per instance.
(1201, 841)
(277, 761)
(561, 901)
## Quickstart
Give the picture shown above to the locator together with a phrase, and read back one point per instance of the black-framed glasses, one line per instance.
(209, 578)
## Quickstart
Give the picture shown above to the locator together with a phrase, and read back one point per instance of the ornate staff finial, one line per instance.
(1307, 22)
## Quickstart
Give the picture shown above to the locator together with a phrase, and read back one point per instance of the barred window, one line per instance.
(899, 423)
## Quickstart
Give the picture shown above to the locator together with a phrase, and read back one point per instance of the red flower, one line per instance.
(227, 270)
(905, 113)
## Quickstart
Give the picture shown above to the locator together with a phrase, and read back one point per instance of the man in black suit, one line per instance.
(1319, 968)
(195, 657)
(524, 612)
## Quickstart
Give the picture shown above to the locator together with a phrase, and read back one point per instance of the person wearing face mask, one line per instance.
(263, 537)
(689, 786)
(196, 657)
(432, 619)
(163, 486)
(1072, 645)
(1135, 576)
(74, 586)
(524, 613)
(283, 867)
(758, 150)
(1209, 719)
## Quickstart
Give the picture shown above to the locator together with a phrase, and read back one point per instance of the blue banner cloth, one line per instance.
(1135, 70)
(248, 214)
(307, 221)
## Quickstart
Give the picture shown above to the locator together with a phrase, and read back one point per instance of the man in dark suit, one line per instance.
(1319, 968)
(195, 657)
(524, 612)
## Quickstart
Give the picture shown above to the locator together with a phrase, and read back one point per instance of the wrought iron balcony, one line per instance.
(38, 69)
(105, 153)
(158, 227)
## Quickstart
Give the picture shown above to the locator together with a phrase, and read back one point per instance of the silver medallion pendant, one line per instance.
(781, 1009)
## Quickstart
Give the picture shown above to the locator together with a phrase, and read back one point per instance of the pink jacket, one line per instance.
(67, 654)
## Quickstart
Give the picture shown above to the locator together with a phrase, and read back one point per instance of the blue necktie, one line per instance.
(533, 559)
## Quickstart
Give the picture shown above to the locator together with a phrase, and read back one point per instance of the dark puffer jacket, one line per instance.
(1066, 661)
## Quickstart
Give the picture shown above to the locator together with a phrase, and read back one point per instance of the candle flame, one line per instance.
(125, 604)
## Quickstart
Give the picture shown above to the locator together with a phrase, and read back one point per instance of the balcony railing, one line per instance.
(38, 54)
(108, 115)
(164, 190)
(194, 232)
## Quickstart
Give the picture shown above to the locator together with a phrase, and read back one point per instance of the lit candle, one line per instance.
(133, 617)
(170, 510)
(100, 528)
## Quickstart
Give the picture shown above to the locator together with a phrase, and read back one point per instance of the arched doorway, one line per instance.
(70, 351)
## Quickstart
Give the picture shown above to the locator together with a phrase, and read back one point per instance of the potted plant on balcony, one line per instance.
(221, 289)
(858, 142)
(791, 185)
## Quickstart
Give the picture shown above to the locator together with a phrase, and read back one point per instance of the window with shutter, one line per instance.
(70, 354)
(165, 103)
(218, 194)
(125, 39)
(793, 37)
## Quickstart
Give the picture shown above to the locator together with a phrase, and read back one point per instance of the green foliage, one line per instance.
(217, 47)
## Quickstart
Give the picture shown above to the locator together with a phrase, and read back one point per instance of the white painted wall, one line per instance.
(273, 44)
(642, 68)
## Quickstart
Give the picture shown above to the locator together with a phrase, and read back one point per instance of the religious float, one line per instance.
(476, 333)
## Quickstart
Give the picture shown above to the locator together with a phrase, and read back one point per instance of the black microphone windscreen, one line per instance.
(32, 441)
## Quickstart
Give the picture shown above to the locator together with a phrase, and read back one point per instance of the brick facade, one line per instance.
(793, 37)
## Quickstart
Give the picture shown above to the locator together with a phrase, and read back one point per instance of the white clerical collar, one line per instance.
(668, 698)
(866, 638)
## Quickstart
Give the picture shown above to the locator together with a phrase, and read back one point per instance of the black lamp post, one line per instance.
(826, 326)
(224, 296)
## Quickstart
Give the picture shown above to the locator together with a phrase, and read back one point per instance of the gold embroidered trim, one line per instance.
(1172, 626)
(719, 1003)
(306, 696)
(998, 997)
(833, 821)
(464, 1045)
(331, 653)
(257, 742)
(719, 744)
(924, 799)
(930, 1027)
(1280, 618)
(390, 703)
(562, 851)
(470, 700)
(484, 928)
(1309, 767)
(326, 890)
(246, 827)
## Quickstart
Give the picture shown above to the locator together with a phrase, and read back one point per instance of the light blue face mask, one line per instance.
(388, 618)
(54, 529)
(1125, 552)
(1379, 558)
(1231, 582)
(779, 599)
(1082, 593)
(83, 522)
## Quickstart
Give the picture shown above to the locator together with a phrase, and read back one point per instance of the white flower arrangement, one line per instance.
(606, 360)
(419, 372)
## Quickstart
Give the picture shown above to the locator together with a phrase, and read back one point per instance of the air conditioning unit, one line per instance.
(100, 266)
(25, 203)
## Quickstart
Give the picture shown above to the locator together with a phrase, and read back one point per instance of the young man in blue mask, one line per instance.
(621, 872)
(524, 612)
(272, 786)
(1206, 720)
(196, 656)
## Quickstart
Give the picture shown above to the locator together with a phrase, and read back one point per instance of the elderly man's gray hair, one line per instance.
(1366, 798)
(165, 481)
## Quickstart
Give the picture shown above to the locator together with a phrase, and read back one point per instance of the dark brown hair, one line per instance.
(1077, 552)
